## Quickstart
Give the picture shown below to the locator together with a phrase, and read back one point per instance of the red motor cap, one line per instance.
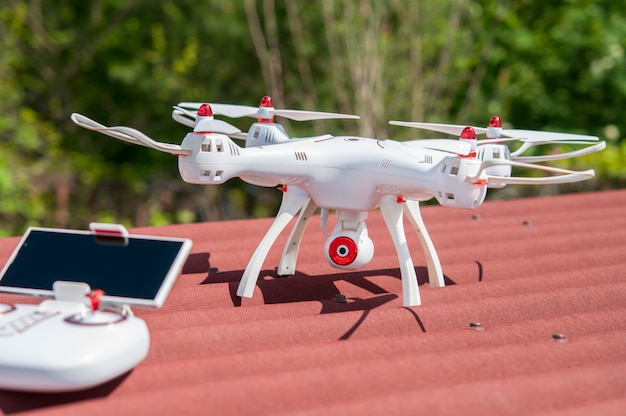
(468, 133)
(495, 122)
(266, 102)
(205, 110)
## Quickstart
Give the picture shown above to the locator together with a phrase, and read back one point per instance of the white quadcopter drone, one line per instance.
(352, 176)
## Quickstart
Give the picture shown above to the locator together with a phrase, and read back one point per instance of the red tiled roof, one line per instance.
(524, 269)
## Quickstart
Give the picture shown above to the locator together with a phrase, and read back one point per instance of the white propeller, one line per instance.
(558, 156)
(128, 134)
(509, 134)
(561, 175)
(452, 129)
(267, 111)
(188, 118)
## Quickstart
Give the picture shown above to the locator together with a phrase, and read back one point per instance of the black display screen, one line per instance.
(137, 267)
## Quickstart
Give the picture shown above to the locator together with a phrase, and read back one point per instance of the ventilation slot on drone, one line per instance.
(384, 164)
(301, 156)
(234, 149)
(428, 158)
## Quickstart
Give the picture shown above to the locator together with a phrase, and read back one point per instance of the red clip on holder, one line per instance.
(115, 234)
(94, 299)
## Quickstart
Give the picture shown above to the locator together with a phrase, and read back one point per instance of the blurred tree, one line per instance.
(560, 66)
(123, 63)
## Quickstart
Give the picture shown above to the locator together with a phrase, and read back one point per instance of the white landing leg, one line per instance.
(392, 213)
(435, 274)
(287, 265)
(294, 199)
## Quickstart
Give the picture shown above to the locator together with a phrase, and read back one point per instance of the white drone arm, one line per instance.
(129, 135)
(562, 175)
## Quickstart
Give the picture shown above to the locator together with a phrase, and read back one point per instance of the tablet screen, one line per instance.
(139, 270)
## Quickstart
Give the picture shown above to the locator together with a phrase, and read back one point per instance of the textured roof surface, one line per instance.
(524, 269)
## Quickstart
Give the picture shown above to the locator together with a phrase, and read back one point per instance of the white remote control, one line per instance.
(63, 345)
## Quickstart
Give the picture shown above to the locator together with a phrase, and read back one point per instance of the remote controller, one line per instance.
(63, 346)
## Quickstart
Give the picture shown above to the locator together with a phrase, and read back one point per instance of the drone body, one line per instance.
(339, 173)
(351, 176)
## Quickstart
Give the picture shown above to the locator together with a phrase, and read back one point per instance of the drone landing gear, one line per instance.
(287, 265)
(392, 210)
(435, 274)
(294, 200)
(297, 200)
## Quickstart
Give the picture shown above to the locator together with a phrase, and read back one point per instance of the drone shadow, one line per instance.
(302, 287)
(198, 263)
(12, 402)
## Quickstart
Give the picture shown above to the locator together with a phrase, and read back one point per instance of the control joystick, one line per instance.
(95, 316)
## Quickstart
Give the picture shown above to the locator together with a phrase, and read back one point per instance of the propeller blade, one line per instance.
(228, 110)
(148, 142)
(128, 134)
(453, 129)
(528, 144)
(559, 156)
(180, 116)
(444, 145)
(236, 111)
(535, 135)
(561, 175)
(89, 124)
(189, 119)
(511, 134)
(300, 115)
(215, 126)
(499, 140)
(547, 180)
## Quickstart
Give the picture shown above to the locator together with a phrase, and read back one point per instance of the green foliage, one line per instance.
(542, 65)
